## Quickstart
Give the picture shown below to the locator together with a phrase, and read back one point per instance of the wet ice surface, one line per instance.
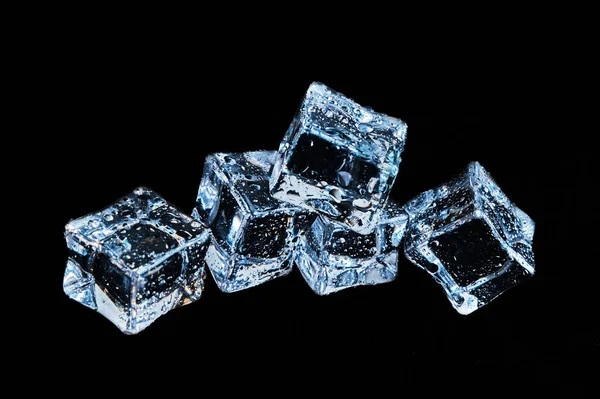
(332, 257)
(135, 260)
(255, 235)
(339, 158)
(471, 238)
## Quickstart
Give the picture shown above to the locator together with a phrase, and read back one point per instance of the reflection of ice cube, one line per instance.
(339, 159)
(332, 257)
(135, 260)
(255, 234)
(471, 238)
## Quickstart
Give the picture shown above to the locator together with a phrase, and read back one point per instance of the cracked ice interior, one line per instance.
(339, 159)
(135, 260)
(471, 238)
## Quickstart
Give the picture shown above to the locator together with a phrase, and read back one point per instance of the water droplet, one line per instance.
(329, 114)
(365, 128)
(336, 194)
(94, 223)
(344, 178)
(108, 217)
(229, 160)
(196, 225)
(373, 184)
(361, 203)
(365, 117)
(423, 228)
(293, 194)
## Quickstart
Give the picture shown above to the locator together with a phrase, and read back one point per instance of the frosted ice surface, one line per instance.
(255, 235)
(135, 260)
(332, 257)
(471, 238)
(339, 158)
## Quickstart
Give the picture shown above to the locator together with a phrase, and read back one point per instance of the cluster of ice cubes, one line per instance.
(320, 202)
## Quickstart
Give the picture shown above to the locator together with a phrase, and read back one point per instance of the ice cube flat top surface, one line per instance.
(255, 234)
(339, 158)
(328, 109)
(136, 259)
(247, 175)
(332, 257)
(137, 230)
(471, 238)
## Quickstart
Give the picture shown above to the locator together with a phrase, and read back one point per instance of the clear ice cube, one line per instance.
(135, 260)
(339, 158)
(471, 238)
(332, 257)
(255, 235)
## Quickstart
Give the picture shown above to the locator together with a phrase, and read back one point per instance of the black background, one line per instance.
(126, 112)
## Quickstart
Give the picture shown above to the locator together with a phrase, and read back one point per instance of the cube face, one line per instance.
(467, 264)
(255, 234)
(265, 236)
(332, 258)
(470, 238)
(339, 159)
(139, 244)
(136, 260)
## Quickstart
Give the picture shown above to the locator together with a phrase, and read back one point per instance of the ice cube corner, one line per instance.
(135, 260)
(339, 159)
(255, 235)
(471, 238)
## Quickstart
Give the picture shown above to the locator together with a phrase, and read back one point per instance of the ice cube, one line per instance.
(471, 238)
(339, 158)
(135, 260)
(255, 235)
(332, 257)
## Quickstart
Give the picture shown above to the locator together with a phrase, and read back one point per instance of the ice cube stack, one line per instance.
(320, 202)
